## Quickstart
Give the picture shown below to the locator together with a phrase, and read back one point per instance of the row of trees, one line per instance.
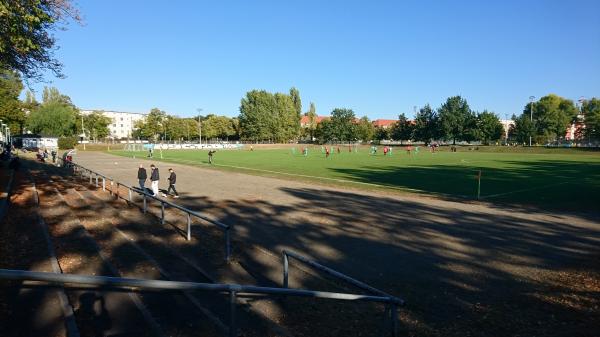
(453, 121)
(547, 120)
(158, 125)
(55, 115)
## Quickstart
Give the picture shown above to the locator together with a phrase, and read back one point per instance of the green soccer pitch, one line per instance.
(567, 180)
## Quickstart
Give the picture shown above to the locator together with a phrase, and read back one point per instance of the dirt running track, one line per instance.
(464, 268)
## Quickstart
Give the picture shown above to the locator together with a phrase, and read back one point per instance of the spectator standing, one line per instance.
(142, 176)
(172, 180)
(154, 178)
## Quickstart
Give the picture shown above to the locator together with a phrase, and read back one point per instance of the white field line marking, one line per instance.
(524, 190)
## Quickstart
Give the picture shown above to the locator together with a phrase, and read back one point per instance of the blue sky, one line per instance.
(379, 58)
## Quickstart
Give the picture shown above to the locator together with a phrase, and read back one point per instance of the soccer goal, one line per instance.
(133, 147)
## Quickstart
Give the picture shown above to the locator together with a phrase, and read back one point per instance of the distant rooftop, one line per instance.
(114, 111)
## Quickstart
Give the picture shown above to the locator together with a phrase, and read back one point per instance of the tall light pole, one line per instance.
(531, 98)
(199, 127)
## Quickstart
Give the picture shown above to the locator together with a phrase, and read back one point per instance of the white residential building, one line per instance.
(123, 123)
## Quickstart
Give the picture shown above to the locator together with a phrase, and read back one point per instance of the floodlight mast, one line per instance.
(199, 126)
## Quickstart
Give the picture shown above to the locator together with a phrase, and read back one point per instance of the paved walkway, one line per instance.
(442, 256)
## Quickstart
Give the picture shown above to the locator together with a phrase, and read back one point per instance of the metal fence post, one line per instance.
(285, 269)
(96, 180)
(189, 227)
(117, 192)
(162, 213)
(232, 323)
(227, 245)
(103, 184)
(90, 177)
(130, 199)
(145, 204)
(111, 188)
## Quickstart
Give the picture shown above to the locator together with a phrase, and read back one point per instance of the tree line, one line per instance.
(547, 120)
(453, 121)
(160, 126)
(54, 116)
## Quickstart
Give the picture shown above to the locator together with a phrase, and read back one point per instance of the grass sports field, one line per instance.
(568, 180)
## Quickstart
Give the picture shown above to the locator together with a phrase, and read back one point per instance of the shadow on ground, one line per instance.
(462, 273)
(562, 185)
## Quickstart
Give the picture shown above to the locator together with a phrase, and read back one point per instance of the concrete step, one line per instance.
(27, 311)
(177, 259)
(131, 261)
(96, 312)
(251, 264)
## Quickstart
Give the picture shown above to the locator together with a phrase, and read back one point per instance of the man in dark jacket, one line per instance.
(172, 180)
(154, 178)
(142, 176)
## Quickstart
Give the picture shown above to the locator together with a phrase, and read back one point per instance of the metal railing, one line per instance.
(233, 290)
(114, 189)
(392, 303)
(391, 306)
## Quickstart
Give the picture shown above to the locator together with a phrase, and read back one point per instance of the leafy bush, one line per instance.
(66, 143)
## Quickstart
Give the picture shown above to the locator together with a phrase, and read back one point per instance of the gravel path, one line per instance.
(462, 267)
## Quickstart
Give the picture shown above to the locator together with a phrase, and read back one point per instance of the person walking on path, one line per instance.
(154, 178)
(53, 156)
(172, 180)
(142, 176)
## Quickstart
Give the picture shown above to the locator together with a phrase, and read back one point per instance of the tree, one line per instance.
(11, 112)
(403, 129)
(523, 129)
(312, 120)
(52, 95)
(95, 124)
(30, 103)
(218, 127)
(552, 115)
(256, 118)
(426, 127)
(365, 129)
(343, 125)
(488, 127)
(56, 116)
(53, 119)
(382, 134)
(26, 43)
(269, 116)
(153, 127)
(591, 112)
(295, 95)
(456, 119)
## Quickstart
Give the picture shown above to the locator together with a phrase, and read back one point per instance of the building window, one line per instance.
(114, 125)
(121, 125)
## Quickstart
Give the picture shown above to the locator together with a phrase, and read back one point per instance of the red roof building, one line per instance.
(384, 123)
(305, 121)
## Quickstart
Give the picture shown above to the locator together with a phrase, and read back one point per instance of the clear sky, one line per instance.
(379, 58)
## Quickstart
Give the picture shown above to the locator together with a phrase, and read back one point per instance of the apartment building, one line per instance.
(123, 123)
